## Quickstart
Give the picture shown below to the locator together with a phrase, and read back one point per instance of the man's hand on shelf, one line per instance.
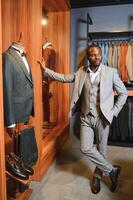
(42, 64)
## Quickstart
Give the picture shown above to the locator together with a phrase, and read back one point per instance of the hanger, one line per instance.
(45, 41)
(46, 44)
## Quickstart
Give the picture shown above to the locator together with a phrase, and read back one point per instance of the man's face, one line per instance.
(94, 56)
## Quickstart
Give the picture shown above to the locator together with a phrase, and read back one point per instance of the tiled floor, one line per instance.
(70, 175)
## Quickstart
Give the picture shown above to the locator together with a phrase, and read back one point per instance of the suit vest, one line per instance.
(91, 96)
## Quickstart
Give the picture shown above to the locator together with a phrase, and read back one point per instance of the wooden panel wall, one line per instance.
(58, 5)
(2, 139)
(57, 31)
(34, 49)
(14, 20)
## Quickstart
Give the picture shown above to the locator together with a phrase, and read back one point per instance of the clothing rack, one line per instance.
(121, 130)
(111, 40)
(110, 36)
(107, 39)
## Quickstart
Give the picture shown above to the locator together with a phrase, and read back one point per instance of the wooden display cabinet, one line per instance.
(25, 16)
(57, 32)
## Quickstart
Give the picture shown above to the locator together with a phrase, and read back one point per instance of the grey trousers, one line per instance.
(98, 126)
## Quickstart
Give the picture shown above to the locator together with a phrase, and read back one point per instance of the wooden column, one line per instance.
(34, 50)
(2, 138)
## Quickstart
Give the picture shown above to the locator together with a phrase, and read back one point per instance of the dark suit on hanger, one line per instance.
(17, 88)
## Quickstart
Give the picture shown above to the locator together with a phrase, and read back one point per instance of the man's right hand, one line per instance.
(12, 132)
(42, 64)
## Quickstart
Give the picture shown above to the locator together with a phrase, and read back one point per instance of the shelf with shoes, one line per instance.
(16, 169)
(19, 176)
(23, 182)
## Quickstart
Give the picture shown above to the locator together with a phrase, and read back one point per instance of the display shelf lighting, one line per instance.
(44, 21)
(44, 18)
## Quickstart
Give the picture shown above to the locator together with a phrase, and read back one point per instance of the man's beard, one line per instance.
(95, 64)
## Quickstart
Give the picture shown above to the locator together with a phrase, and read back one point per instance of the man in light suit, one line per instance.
(93, 95)
(17, 87)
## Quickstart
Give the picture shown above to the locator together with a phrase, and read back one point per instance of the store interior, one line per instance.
(66, 28)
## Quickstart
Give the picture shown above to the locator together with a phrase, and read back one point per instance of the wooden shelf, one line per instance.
(22, 196)
(24, 182)
(130, 92)
(51, 145)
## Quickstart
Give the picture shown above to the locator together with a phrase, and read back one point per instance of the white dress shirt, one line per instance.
(93, 75)
(19, 52)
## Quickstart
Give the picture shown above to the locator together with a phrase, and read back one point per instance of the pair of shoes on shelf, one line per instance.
(114, 175)
(23, 182)
(17, 168)
(28, 170)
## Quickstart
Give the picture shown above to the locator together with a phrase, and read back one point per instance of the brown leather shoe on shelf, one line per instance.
(13, 168)
(25, 168)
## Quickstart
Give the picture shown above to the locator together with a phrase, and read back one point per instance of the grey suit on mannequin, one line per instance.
(95, 101)
(17, 88)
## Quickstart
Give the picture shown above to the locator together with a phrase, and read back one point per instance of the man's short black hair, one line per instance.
(91, 46)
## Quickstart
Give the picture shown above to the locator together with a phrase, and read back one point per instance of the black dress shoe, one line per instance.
(96, 187)
(28, 170)
(114, 175)
(13, 168)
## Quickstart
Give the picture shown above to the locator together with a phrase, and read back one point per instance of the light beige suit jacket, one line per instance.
(109, 82)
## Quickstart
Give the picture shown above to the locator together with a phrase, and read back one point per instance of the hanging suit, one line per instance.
(129, 61)
(49, 56)
(124, 75)
(17, 89)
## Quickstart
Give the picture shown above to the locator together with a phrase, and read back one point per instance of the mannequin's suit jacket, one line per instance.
(109, 82)
(17, 89)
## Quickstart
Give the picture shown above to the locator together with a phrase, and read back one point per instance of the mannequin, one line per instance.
(18, 101)
(17, 87)
(48, 54)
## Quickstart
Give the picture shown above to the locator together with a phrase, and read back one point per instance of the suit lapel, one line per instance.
(103, 80)
(21, 64)
(82, 79)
